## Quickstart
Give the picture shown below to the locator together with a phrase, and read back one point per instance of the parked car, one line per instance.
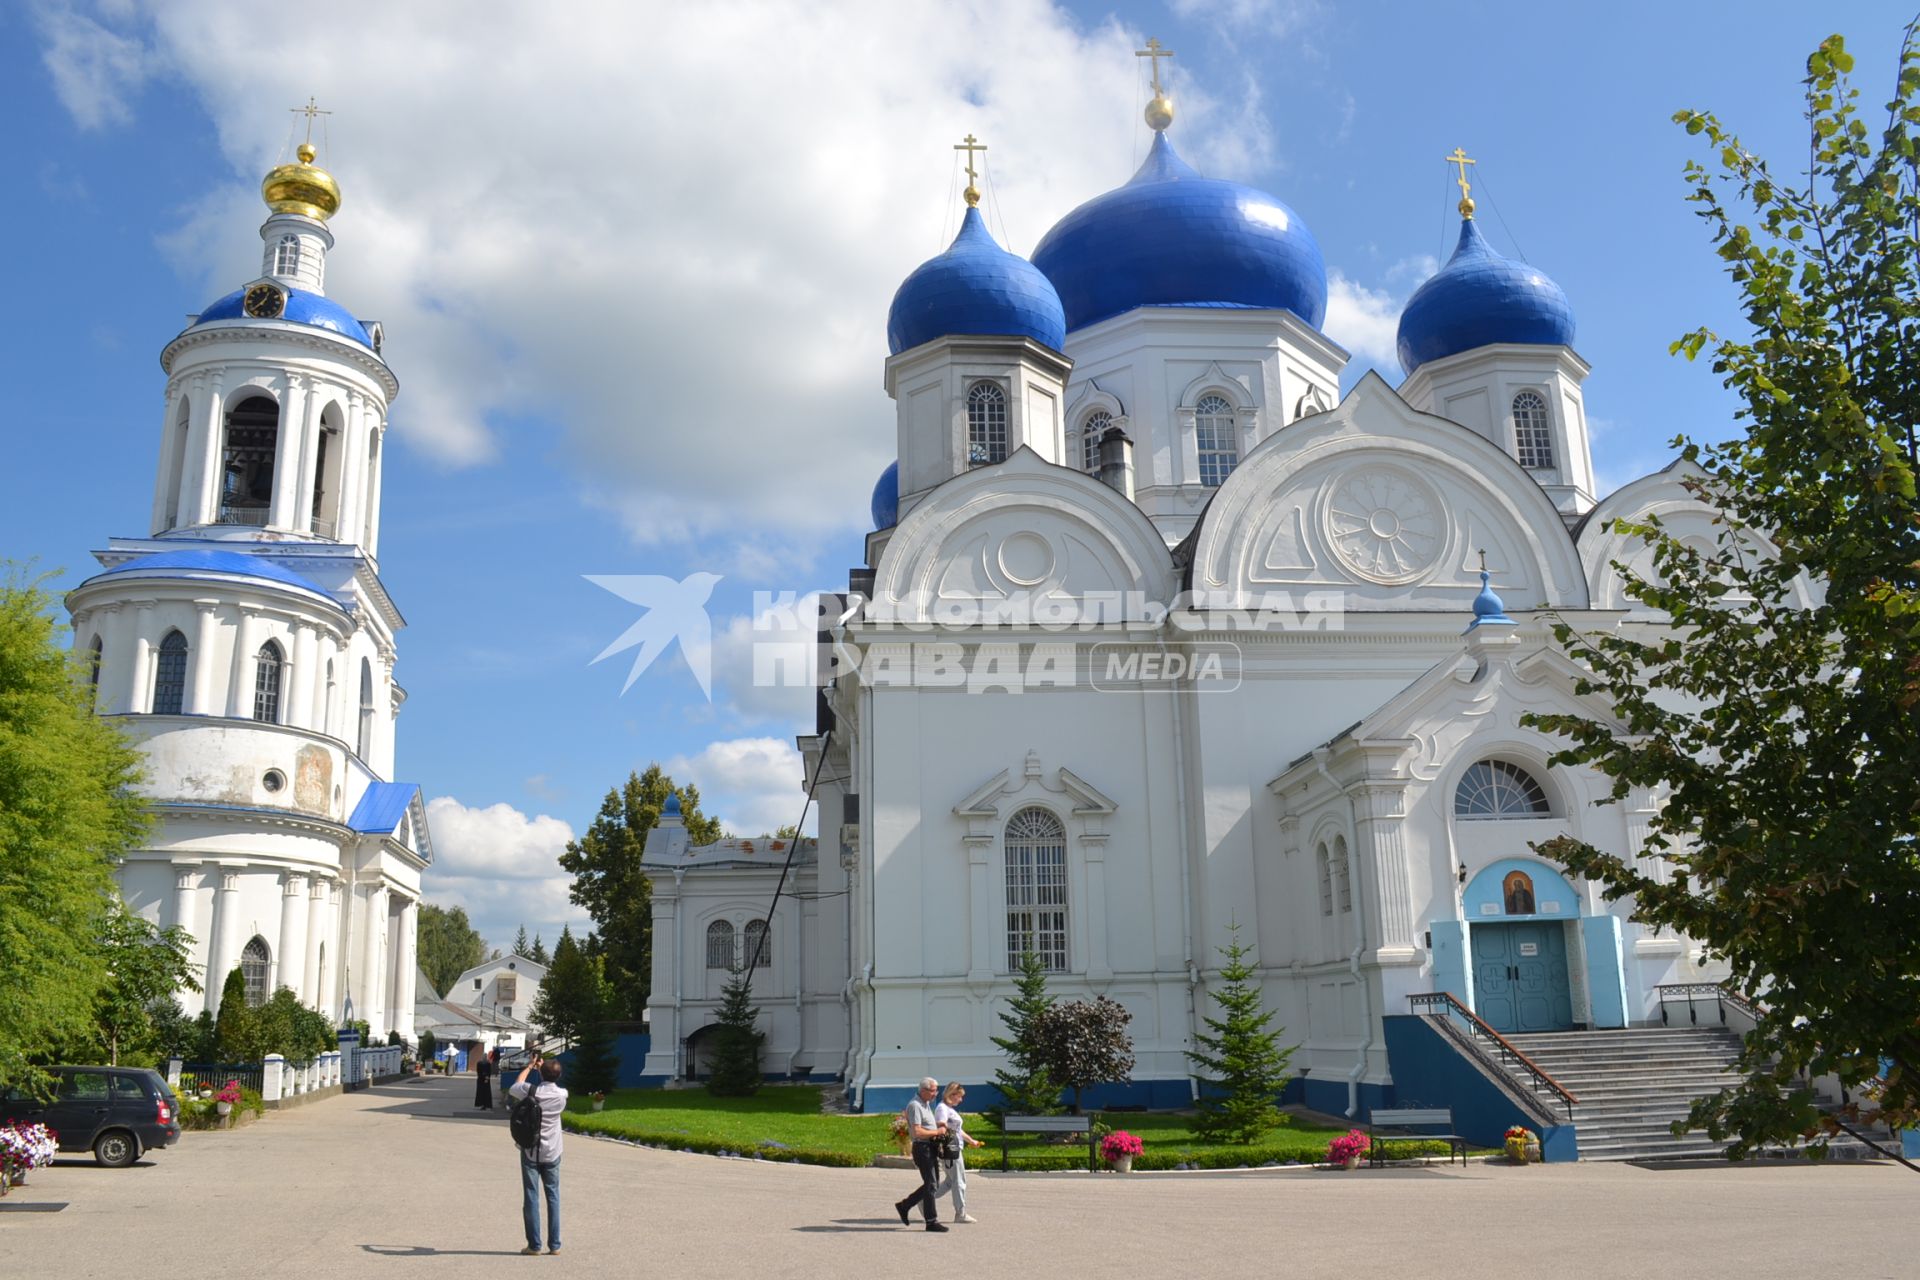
(115, 1112)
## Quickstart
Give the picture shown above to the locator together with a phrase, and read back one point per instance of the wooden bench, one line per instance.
(1401, 1124)
(1046, 1124)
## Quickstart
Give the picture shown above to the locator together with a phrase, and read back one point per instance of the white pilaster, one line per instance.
(300, 696)
(226, 935)
(138, 660)
(312, 985)
(371, 986)
(291, 957)
(353, 465)
(200, 487)
(289, 444)
(246, 641)
(199, 700)
(184, 877)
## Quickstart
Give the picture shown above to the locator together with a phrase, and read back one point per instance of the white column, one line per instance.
(134, 698)
(162, 510)
(246, 640)
(311, 987)
(226, 936)
(110, 623)
(199, 700)
(309, 460)
(370, 980)
(291, 957)
(184, 877)
(378, 436)
(402, 1020)
(353, 464)
(320, 710)
(336, 954)
(288, 443)
(300, 696)
(200, 486)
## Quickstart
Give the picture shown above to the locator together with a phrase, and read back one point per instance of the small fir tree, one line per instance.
(737, 1042)
(1241, 1065)
(1025, 1084)
(540, 956)
(521, 947)
(596, 1063)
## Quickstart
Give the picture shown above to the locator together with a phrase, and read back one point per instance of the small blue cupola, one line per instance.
(975, 288)
(1488, 610)
(671, 809)
(1479, 299)
(886, 497)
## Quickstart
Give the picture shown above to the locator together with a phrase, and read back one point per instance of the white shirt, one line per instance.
(949, 1119)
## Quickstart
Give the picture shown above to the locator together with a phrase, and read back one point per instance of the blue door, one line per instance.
(1520, 977)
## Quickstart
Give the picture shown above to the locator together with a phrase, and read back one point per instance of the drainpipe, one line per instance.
(1186, 887)
(1359, 941)
(679, 941)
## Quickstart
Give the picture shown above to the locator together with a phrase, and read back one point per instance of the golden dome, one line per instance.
(1159, 113)
(303, 188)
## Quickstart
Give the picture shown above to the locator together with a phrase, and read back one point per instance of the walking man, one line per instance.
(925, 1131)
(540, 1163)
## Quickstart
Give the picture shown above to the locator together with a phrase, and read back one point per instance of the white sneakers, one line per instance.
(966, 1217)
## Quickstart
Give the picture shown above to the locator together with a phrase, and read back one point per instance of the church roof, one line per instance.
(381, 807)
(1480, 298)
(975, 288)
(303, 307)
(233, 563)
(1172, 237)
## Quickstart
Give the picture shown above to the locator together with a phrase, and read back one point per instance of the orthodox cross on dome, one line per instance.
(1483, 559)
(1160, 110)
(970, 145)
(310, 111)
(1459, 158)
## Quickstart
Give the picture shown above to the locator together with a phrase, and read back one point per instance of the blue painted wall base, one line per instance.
(1429, 1071)
(1139, 1095)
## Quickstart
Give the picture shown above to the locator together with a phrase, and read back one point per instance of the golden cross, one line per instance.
(1155, 51)
(1483, 559)
(309, 111)
(971, 145)
(1459, 157)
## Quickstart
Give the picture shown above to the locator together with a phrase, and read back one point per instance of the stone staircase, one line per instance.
(1633, 1084)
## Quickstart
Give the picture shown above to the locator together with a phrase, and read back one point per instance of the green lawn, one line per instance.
(783, 1122)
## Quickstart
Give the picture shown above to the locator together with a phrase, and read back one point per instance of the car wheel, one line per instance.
(115, 1149)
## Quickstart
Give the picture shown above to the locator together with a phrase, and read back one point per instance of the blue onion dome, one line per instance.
(300, 307)
(975, 287)
(671, 809)
(1488, 609)
(1480, 298)
(1171, 237)
(886, 497)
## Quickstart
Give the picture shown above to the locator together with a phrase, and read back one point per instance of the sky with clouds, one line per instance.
(633, 263)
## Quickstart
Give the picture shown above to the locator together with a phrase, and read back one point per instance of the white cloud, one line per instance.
(753, 785)
(1364, 321)
(502, 866)
(763, 664)
(1278, 17)
(93, 69)
(673, 230)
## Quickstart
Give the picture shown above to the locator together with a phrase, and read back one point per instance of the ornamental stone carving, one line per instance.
(1385, 525)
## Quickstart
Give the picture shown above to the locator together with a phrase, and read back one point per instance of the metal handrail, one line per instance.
(1723, 995)
(1449, 1003)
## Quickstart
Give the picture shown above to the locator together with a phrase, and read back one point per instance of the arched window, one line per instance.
(986, 424)
(1517, 890)
(1217, 433)
(246, 482)
(1342, 875)
(170, 676)
(720, 945)
(286, 256)
(757, 945)
(365, 738)
(1037, 889)
(1496, 789)
(328, 452)
(93, 672)
(1090, 432)
(255, 961)
(1325, 863)
(267, 665)
(176, 467)
(1532, 430)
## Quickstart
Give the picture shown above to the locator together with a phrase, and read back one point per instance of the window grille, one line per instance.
(93, 671)
(986, 424)
(756, 939)
(1496, 789)
(720, 945)
(366, 708)
(1090, 432)
(1342, 875)
(1532, 434)
(266, 683)
(1216, 432)
(1326, 879)
(1036, 855)
(170, 675)
(286, 256)
(254, 963)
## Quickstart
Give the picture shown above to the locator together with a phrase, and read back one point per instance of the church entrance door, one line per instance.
(1520, 978)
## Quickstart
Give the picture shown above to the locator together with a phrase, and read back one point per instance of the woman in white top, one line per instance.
(954, 1172)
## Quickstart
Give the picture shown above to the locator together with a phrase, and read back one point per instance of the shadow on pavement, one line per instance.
(858, 1224)
(433, 1098)
(427, 1251)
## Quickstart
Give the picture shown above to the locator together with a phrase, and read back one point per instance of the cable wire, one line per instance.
(793, 847)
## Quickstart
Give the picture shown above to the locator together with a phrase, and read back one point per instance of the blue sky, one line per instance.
(635, 266)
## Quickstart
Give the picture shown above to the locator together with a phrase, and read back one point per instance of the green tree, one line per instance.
(521, 947)
(737, 1041)
(233, 1030)
(539, 955)
(1024, 1083)
(570, 993)
(608, 884)
(68, 812)
(596, 1063)
(1241, 1064)
(448, 945)
(1084, 1042)
(145, 966)
(1781, 735)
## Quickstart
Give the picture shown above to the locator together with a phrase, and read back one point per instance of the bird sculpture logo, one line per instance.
(674, 611)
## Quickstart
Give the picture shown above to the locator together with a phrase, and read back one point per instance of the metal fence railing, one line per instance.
(214, 1075)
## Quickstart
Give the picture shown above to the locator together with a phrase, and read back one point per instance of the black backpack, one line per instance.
(523, 1121)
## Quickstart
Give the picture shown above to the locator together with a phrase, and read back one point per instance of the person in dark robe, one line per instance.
(483, 1090)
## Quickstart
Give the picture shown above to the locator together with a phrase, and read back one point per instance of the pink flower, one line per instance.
(1121, 1143)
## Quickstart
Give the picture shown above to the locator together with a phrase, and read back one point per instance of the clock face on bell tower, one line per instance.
(265, 302)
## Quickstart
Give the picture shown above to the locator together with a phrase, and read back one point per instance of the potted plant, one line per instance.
(901, 1135)
(1119, 1148)
(599, 1099)
(228, 1095)
(1347, 1149)
(1515, 1144)
(24, 1147)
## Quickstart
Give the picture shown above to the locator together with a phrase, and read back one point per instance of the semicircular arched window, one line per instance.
(1216, 433)
(1036, 853)
(286, 256)
(756, 940)
(255, 963)
(720, 945)
(1497, 789)
(1532, 431)
(170, 675)
(1090, 432)
(267, 665)
(986, 424)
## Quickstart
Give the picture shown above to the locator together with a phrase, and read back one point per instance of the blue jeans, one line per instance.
(532, 1178)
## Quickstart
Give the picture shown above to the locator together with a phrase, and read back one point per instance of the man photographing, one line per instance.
(540, 1161)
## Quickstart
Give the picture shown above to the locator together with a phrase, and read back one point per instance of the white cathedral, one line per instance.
(1139, 432)
(247, 644)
